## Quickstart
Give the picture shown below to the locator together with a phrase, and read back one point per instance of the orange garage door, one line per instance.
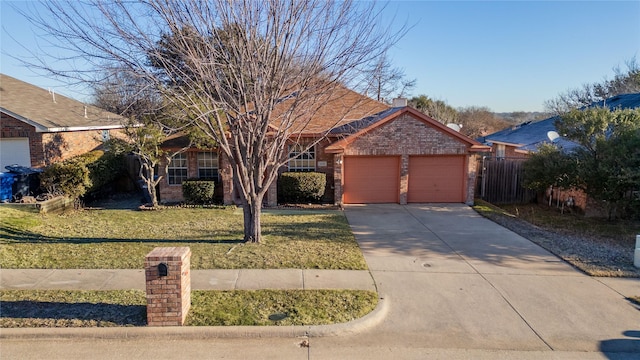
(371, 179)
(436, 179)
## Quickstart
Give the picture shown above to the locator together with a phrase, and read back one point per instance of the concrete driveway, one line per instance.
(457, 280)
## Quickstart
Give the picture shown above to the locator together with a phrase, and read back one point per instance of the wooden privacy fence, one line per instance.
(501, 180)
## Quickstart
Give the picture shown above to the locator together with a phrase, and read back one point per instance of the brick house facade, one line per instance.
(400, 132)
(50, 127)
(408, 133)
(48, 148)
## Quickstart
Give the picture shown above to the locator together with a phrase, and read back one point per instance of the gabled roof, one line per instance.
(527, 137)
(372, 122)
(50, 112)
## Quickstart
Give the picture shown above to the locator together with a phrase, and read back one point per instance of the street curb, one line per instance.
(203, 332)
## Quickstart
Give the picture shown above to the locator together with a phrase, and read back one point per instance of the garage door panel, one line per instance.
(374, 179)
(14, 151)
(436, 179)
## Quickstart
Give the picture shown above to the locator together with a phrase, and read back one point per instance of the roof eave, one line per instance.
(43, 129)
(39, 127)
(82, 128)
(503, 142)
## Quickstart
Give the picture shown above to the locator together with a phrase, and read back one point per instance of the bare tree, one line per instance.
(479, 121)
(250, 74)
(388, 82)
(623, 82)
(150, 122)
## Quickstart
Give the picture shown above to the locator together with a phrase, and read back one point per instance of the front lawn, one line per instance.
(60, 308)
(120, 239)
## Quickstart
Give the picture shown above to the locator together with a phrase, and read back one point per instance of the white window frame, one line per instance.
(208, 164)
(305, 162)
(179, 163)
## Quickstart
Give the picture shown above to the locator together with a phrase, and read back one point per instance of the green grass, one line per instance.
(120, 239)
(60, 308)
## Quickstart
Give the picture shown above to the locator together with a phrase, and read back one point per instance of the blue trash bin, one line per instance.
(6, 186)
(26, 180)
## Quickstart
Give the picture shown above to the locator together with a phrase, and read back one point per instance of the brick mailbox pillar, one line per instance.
(168, 282)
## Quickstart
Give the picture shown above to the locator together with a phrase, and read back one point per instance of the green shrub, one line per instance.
(302, 186)
(198, 191)
(105, 169)
(70, 178)
(83, 174)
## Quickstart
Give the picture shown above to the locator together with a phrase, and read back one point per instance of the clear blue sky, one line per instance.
(505, 55)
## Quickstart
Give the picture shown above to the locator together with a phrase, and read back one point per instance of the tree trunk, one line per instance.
(148, 178)
(252, 209)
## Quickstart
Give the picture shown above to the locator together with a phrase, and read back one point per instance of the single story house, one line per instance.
(521, 140)
(376, 154)
(39, 127)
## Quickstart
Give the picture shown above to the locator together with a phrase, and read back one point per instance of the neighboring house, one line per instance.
(39, 127)
(521, 140)
(376, 154)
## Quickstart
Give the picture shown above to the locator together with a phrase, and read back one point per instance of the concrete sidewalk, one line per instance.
(238, 279)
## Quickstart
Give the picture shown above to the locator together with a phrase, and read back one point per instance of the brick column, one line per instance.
(337, 178)
(404, 179)
(168, 280)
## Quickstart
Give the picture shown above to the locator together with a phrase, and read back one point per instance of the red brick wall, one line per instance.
(407, 136)
(64, 145)
(168, 297)
(48, 148)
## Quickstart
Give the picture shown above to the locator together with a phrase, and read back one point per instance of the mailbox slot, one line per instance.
(163, 270)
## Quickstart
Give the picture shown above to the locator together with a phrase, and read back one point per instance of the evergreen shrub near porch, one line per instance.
(302, 186)
(197, 191)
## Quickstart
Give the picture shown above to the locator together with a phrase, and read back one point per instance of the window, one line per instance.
(305, 162)
(500, 151)
(208, 165)
(177, 169)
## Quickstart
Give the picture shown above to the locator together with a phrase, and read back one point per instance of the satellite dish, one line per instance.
(553, 136)
(455, 127)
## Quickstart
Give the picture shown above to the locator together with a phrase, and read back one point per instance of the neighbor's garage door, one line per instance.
(436, 179)
(371, 179)
(14, 151)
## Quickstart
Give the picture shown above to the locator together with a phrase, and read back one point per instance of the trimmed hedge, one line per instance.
(198, 191)
(302, 186)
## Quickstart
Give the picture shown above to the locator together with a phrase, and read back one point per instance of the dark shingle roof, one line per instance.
(357, 125)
